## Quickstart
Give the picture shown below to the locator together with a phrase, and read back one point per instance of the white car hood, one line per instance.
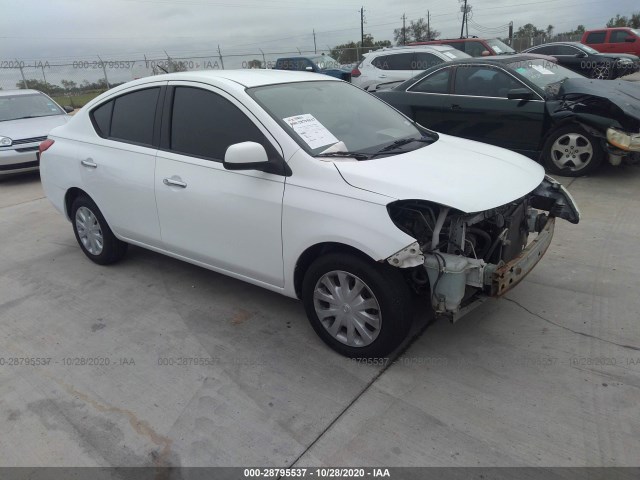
(463, 174)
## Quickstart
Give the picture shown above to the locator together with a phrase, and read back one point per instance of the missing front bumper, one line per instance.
(458, 282)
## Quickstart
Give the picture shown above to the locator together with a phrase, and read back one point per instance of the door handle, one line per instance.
(89, 163)
(455, 107)
(174, 182)
(382, 76)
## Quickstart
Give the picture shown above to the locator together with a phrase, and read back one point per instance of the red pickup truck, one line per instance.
(614, 40)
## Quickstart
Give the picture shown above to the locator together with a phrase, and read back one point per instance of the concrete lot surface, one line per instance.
(548, 376)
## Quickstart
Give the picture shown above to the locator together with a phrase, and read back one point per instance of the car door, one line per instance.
(571, 57)
(623, 41)
(598, 40)
(425, 100)
(479, 109)
(229, 220)
(117, 167)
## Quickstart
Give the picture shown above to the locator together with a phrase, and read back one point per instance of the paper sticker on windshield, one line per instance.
(311, 130)
(542, 70)
(449, 54)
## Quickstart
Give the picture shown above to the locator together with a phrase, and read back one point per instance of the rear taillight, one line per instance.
(45, 145)
(355, 72)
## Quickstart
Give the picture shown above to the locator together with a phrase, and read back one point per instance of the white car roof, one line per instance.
(411, 49)
(245, 77)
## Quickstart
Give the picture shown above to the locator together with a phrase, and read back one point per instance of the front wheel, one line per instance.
(602, 71)
(572, 152)
(358, 308)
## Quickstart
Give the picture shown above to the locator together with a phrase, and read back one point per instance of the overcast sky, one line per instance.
(59, 30)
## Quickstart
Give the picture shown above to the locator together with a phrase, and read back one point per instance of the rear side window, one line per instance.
(565, 50)
(596, 37)
(381, 62)
(474, 49)
(401, 61)
(619, 36)
(435, 83)
(548, 50)
(424, 60)
(204, 124)
(133, 116)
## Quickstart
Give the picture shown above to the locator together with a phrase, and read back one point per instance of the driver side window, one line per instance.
(483, 81)
(204, 125)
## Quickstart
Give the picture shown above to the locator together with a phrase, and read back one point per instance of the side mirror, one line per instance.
(245, 156)
(520, 94)
(68, 108)
(486, 53)
(309, 69)
(581, 55)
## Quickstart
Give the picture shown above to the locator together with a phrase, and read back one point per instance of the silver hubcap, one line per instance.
(572, 151)
(347, 308)
(89, 231)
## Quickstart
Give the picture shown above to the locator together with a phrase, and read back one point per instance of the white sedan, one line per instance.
(307, 186)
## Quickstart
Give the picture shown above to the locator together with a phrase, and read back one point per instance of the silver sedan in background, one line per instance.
(26, 117)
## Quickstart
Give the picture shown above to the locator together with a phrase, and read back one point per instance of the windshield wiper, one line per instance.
(399, 143)
(356, 155)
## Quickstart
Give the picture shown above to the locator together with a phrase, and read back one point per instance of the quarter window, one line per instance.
(596, 37)
(204, 124)
(102, 118)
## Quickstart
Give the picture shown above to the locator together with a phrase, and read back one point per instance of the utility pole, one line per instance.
(220, 56)
(428, 25)
(315, 49)
(404, 29)
(511, 33)
(464, 17)
(362, 27)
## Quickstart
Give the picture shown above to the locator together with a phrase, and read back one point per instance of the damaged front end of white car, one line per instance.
(462, 259)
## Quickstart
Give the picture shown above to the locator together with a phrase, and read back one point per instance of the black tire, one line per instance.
(576, 140)
(111, 249)
(385, 285)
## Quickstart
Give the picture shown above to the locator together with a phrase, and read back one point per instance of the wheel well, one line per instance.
(310, 254)
(70, 197)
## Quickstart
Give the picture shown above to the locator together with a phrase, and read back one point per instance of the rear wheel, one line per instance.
(93, 234)
(358, 308)
(572, 152)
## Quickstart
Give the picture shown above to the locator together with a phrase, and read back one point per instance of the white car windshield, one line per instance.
(324, 114)
(543, 72)
(15, 107)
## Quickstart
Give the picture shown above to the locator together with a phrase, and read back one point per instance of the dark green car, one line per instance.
(528, 104)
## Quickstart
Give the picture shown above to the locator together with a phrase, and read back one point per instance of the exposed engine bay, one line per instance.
(461, 257)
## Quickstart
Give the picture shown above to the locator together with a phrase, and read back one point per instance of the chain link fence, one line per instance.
(75, 82)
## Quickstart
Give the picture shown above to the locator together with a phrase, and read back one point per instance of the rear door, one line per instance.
(425, 100)
(393, 67)
(117, 168)
(230, 220)
(479, 110)
(569, 57)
